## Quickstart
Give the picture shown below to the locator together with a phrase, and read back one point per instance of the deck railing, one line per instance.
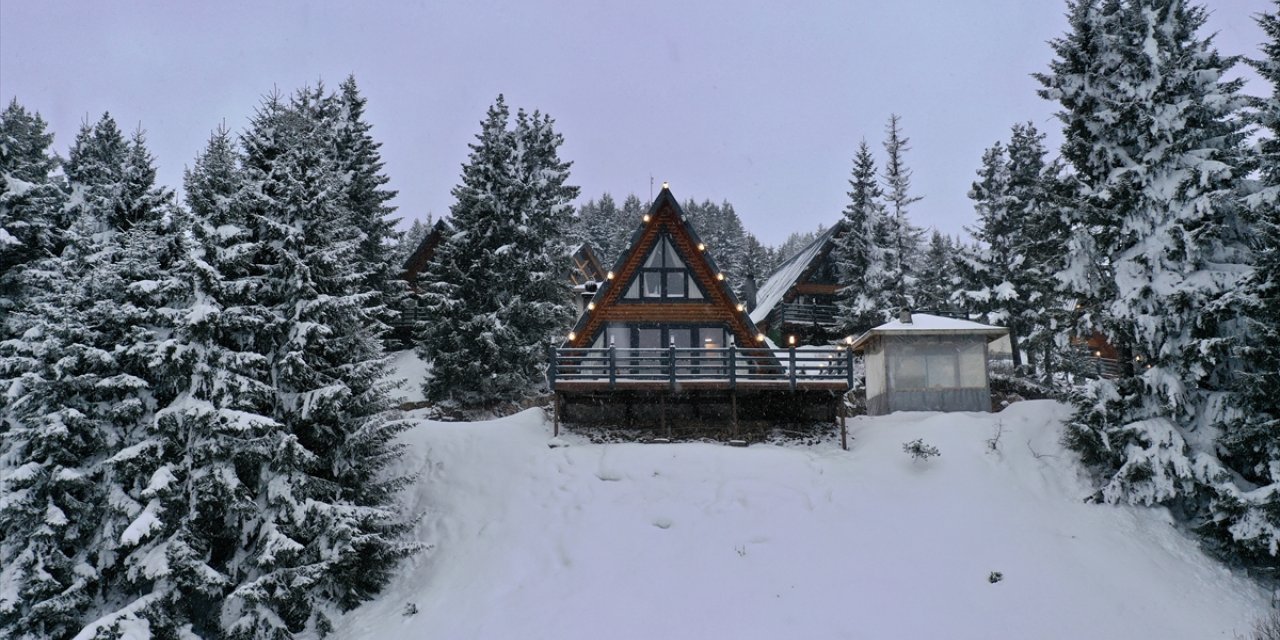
(808, 314)
(730, 366)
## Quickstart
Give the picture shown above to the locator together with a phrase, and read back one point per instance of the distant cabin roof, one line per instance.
(785, 276)
(925, 324)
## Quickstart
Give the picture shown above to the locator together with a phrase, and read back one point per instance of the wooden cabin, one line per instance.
(923, 362)
(799, 298)
(586, 273)
(665, 342)
(410, 314)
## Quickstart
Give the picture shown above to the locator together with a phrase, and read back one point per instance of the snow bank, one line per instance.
(706, 541)
(412, 371)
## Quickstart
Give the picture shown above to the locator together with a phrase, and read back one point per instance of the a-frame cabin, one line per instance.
(665, 328)
(799, 298)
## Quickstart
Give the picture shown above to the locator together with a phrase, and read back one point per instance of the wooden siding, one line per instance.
(718, 307)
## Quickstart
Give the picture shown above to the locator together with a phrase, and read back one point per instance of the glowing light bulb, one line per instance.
(609, 275)
(664, 185)
(760, 338)
(572, 335)
(646, 217)
(742, 307)
(702, 247)
(719, 276)
(791, 340)
(591, 306)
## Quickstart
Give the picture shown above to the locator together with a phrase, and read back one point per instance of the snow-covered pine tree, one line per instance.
(597, 224)
(407, 242)
(1154, 133)
(720, 228)
(938, 279)
(866, 297)
(92, 332)
(326, 532)
(31, 202)
(364, 188)
(1008, 277)
(1251, 443)
(633, 209)
(901, 268)
(495, 294)
(758, 260)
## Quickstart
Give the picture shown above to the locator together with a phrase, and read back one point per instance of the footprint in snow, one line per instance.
(662, 523)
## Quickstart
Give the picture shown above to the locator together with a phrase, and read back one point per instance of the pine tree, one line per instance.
(88, 390)
(866, 295)
(901, 266)
(1251, 443)
(366, 198)
(1154, 134)
(325, 534)
(495, 294)
(31, 201)
(937, 276)
(408, 242)
(598, 224)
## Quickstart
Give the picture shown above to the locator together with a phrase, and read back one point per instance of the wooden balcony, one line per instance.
(822, 315)
(690, 369)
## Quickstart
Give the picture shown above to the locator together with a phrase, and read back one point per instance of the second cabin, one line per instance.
(665, 342)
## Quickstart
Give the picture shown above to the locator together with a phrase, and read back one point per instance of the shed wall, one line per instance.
(929, 373)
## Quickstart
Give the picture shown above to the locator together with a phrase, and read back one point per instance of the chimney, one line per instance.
(749, 290)
(904, 316)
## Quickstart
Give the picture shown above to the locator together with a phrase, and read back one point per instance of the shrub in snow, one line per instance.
(919, 450)
(995, 577)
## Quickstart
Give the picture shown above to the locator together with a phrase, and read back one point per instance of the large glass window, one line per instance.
(663, 276)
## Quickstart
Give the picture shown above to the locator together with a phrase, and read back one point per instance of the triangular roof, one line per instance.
(719, 304)
(925, 324)
(780, 287)
(417, 261)
(586, 265)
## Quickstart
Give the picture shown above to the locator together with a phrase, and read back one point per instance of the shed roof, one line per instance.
(925, 324)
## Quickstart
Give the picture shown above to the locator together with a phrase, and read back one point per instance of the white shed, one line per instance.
(923, 362)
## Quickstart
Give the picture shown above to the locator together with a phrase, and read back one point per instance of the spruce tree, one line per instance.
(326, 532)
(31, 201)
(1154, 134)
(87, 392)
(938, 280)
(861, 253)
(366, 198)
(495, 292)
(901, 265)
(1251, 443)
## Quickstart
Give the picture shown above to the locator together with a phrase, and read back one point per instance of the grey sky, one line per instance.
(761, 104)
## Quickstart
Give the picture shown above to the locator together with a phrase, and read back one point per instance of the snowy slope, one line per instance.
(707, 541)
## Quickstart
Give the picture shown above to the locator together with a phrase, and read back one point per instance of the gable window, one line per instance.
(663, 276)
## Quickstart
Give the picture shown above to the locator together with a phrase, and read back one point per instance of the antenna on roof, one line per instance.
(651, 187)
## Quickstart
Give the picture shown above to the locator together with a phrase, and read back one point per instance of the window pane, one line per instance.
(675, 284)
(619, 336)
(673, 261)
(652, 284)
(694, 292)
(650, 338)
(655, 256)
(711, 338)
(682, 337)
(634, 290)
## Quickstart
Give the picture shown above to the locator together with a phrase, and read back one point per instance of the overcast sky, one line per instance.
(760, 104)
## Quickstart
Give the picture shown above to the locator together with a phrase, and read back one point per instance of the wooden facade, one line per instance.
(799, 298)
(666, 339)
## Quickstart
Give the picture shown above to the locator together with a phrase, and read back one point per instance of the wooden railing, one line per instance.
(809, 314)
(729, 366)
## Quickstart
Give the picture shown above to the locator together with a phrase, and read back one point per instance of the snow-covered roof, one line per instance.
(925, 324)
(785, 276)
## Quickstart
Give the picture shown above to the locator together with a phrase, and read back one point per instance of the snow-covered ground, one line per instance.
(707, 541)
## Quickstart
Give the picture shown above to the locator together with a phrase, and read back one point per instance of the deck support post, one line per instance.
(793, 369)
(613, 366)
(733, 410)
(733, 370)
(844, 428)
(662, 415)
(555, 403)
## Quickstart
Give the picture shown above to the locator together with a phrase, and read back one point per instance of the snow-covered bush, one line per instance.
(919, 450)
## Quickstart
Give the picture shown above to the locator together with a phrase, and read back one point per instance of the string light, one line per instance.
(760, 337)
(572, 335)
(702, 247)
(609, 275)
(664, 185)
(591, 306)
(742, 307)
(719, 276)
(646, 217)
(791, 340)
